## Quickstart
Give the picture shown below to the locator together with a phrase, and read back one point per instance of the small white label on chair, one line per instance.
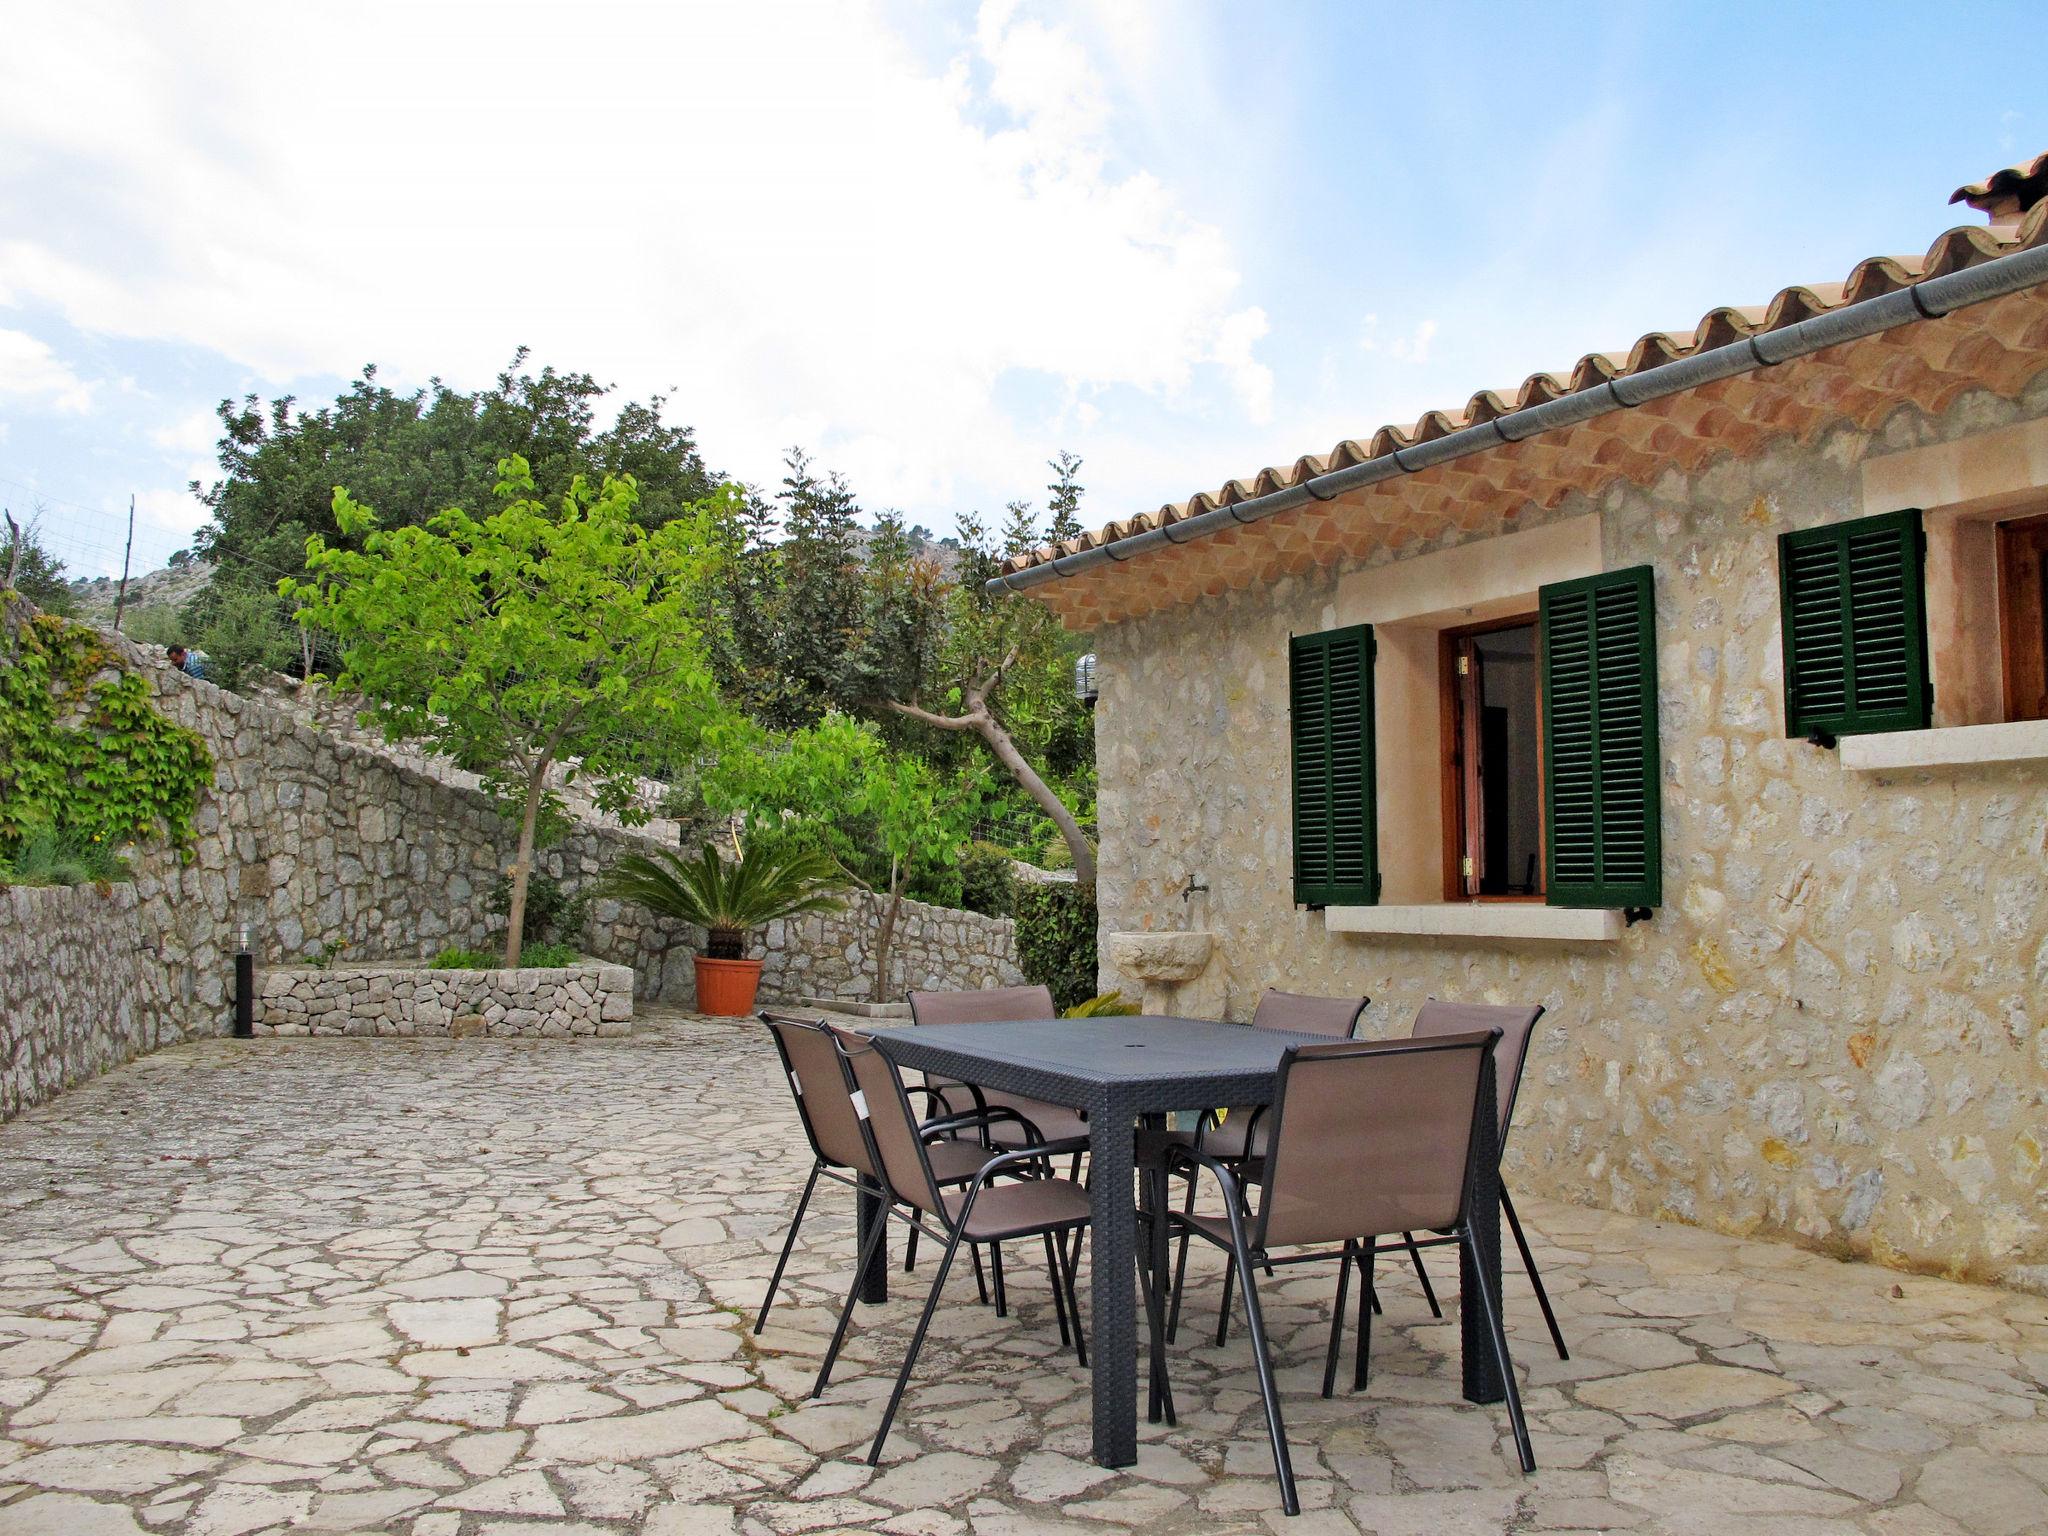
(860, 1104)
(795, 1087)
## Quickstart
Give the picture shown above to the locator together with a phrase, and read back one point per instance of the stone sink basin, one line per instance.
(1161, 956)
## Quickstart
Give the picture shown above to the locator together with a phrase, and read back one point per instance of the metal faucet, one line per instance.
(1188, 892)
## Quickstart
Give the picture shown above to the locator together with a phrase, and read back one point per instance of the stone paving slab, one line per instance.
(492, 1287)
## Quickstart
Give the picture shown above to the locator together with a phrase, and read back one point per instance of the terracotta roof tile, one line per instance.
(1952, 251)
(2027, 181)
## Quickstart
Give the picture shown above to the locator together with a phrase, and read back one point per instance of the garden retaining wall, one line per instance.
(552, 1003)
(319, 842)
(79, 989)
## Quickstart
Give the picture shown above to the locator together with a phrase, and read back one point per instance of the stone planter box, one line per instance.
(398, 998)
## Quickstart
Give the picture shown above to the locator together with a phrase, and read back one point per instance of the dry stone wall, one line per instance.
(541, 1002)
(319, 842)
(79, 989)
(1833, 1030)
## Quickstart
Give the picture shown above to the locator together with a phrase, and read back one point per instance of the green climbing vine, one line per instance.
(83, 750)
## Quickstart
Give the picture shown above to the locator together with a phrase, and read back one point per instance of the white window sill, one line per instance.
(1480, 920)
(1955, 746)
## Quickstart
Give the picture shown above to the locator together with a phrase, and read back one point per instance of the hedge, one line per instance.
(1056, 939)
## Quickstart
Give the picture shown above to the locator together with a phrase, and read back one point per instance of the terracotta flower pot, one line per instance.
(726, 988)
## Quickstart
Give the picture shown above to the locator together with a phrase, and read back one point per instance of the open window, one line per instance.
(1492, 714)
(1502, 764)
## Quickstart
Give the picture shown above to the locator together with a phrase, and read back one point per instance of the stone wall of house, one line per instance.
(552, 1003)
(79, 990)
(1833, 1031)
(320, 843)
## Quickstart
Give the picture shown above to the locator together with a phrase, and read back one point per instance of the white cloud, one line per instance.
(1252, 379)
(30, 371)
(776, 210)
(1412, 348)
(195, 432)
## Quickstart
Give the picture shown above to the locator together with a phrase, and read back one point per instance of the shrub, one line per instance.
(244, 633)
(551, 912)
(987, 882)
(45, 856)
(550, 956)
(1056, 939)
(728, 898)
(1106, 1005)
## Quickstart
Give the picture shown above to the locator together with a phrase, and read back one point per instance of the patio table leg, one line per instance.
(868, 1209)
(1482, 1382)
(1154, 1198)
(1112, 1313)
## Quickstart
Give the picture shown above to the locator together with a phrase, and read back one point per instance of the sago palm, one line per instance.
(728, 898)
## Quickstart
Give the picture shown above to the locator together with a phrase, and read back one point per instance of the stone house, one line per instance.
(1697, 694)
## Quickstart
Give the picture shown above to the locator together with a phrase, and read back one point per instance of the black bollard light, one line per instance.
(245, 986)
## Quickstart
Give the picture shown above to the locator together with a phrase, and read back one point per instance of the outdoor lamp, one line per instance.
(245, 985)
(1084, 679)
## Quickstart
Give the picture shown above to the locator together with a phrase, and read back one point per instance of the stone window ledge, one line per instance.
(1480, 920)
(1955, 746)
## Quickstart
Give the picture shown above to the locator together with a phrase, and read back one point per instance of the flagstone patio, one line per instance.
(444, 1288)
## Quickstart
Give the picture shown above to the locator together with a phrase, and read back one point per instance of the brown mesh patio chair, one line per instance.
(999, 1005)
(839, 1151)
(1367, 1138)
(1235, 1134)
(1517, 1026)
(1036, 1120)
(1045, 1207)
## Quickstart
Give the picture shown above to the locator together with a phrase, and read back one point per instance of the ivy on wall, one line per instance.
(83, 749)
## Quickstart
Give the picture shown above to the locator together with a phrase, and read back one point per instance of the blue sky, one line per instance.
(932, 244)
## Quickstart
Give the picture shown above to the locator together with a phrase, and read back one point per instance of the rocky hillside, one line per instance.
(168, 590)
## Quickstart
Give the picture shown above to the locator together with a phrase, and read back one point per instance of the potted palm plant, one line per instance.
(729, 899)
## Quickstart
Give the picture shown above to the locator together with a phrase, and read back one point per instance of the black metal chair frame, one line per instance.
(1507, 1208)
(823, 1166)
(1247, 1166)
(1060, 1263)
(1247, 1254)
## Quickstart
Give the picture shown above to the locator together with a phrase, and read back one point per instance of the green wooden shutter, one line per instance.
(1853, 600)
(1600, 771)
(1336, 825)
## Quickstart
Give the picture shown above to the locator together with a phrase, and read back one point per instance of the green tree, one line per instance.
(247, 631)
(838, 787)
(32, 570)
(412, 454)
(1064, 502)
(1004, 672)
(531, 637)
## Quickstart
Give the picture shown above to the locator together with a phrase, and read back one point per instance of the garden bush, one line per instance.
(550, 956)
(1056, 939)
(988, 884)
(45, 856)
(552, 914)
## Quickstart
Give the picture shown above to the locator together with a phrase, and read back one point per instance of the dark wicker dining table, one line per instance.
(1124, 1071)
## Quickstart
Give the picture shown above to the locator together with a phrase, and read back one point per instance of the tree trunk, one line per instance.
(885, 930)
(522, 866)
(981, 720)
(999, 742)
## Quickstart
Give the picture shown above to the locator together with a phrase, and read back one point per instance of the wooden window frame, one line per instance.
(1460, 769)
(2021, 667)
